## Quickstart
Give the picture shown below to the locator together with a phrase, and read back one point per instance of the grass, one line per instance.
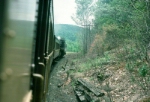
(85, 64)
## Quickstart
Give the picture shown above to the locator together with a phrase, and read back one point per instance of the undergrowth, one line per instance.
(135, 64)
(94, 63)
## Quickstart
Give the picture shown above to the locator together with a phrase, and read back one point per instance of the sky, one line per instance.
(63, 10)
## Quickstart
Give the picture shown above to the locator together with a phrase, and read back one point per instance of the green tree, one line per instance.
(83, 18)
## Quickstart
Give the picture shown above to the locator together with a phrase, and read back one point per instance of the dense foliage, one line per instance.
(120, 21)
(123, 26)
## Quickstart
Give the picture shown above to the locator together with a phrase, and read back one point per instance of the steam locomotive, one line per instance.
(28, 47)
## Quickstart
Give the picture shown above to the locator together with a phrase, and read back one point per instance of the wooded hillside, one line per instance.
(70, 33)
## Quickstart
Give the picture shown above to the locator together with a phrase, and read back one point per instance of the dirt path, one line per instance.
(60, 88)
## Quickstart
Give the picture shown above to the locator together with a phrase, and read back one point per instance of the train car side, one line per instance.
(27, 49)
(56, 48)
(16, 50)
